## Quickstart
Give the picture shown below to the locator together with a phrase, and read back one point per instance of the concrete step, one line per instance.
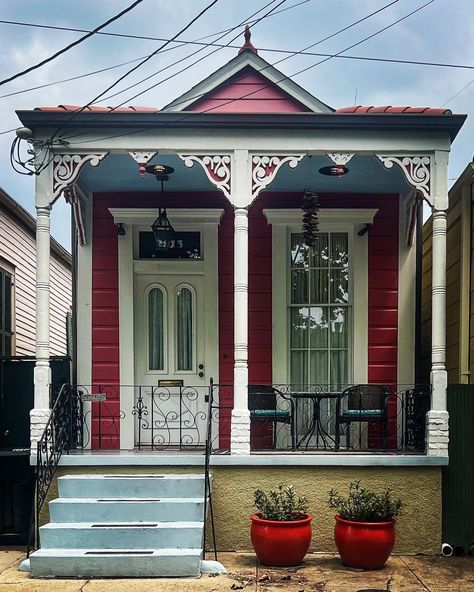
(117, 563)
(122, 509)
(126, 509)
(153, 485)
(129, 535)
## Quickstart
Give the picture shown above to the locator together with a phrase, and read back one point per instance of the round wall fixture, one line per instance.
(334, 171)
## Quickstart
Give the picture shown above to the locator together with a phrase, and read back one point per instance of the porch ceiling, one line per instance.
(119, 172)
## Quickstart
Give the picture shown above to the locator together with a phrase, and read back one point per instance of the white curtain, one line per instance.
(156, 329)
(184, 329)
(319, 328)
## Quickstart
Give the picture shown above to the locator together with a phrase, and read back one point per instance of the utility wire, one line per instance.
(289, 77)
(71, 45)
(282, 79)
(296, 73)
(294, 53)
(182, 43)
(365, 38)
(272, 12)
(129, 36)
(135, 84)
(190, 23)
(195, 62)
(458, 93)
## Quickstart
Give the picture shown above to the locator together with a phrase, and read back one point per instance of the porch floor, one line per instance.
(320, 573)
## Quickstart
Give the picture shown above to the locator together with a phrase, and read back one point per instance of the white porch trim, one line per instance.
(127, 458)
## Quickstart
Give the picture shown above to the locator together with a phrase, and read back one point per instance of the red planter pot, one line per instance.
(280, 543)
(365, 545)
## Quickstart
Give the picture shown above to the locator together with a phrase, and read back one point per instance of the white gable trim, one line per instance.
(262, 67)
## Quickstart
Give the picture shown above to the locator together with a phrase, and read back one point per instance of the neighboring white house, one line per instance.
(17, 284)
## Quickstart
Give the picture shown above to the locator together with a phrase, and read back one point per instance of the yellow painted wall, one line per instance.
(418, 529)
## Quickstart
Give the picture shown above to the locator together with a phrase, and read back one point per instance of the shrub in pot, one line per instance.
(365, 525)
(281, 527)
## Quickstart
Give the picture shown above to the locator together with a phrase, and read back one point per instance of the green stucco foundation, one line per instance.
(418, 529)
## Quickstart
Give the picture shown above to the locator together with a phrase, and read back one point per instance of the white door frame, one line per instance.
(205, 220)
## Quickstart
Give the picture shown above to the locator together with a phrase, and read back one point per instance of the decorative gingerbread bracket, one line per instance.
(142, 157)
(340, 158)
(265, 167)
(66, 169)
(417, 171)
(216, 166)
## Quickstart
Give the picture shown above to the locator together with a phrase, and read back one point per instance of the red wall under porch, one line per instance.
(383, 245)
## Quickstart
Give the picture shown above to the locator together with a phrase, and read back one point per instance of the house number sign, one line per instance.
(94, 397)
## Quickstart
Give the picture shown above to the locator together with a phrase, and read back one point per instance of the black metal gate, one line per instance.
(16, 475)
(458, 477)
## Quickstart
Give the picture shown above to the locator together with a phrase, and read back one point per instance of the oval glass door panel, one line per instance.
(156, 329)
(184, 330)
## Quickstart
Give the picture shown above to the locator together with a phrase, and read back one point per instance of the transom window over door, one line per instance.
(319, 310)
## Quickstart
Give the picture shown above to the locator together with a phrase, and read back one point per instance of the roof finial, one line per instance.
(248, 44)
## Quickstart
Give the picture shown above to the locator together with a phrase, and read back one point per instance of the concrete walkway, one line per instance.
(320, 573)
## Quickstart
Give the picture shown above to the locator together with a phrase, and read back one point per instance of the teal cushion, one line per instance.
(269, 413)
(361, 412)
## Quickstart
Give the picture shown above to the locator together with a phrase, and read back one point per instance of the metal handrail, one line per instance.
(207, 480)
(55, 439)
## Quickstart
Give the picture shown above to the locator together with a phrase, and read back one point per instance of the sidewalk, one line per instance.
(320, 573)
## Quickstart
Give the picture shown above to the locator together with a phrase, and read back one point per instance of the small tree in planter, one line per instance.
(281, 528)
(365, 525)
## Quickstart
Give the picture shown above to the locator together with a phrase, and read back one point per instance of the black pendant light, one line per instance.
(163, 233)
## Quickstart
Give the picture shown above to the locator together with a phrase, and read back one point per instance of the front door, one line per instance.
(170, 360)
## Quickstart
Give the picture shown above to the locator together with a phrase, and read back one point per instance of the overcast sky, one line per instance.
(443, 31)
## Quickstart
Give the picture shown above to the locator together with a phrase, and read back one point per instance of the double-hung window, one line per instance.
(319, 310)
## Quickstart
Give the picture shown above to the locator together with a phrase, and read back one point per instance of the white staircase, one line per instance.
(123, 526)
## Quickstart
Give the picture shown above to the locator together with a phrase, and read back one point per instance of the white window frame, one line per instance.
(286, 221)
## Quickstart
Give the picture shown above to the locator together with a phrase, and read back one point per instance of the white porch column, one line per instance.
(241, 198)
(240, 432)
(42, 373)
(437, 432)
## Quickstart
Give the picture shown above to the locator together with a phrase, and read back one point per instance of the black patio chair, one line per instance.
(362, 403)
(263, 407)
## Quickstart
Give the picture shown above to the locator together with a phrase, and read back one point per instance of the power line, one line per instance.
(185, 28)
(71, 45)
(365, 38)
(281, 80)
(270, 13)
(182, 43)
(198, 60)
(262, 49)
(458, 93)
(128, 35)
(193, 54)
(294, 53)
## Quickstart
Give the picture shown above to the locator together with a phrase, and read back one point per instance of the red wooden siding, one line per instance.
(248, 93)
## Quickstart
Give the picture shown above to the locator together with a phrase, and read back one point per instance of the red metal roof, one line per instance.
(353, 109)
(364, 110)
(99, 109)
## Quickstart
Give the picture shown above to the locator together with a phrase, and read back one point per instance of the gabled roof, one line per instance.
(245, 62)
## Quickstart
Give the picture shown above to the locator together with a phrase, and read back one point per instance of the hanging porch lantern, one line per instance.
(163, 232)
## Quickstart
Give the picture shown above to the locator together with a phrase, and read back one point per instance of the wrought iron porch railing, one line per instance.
(283, 417)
